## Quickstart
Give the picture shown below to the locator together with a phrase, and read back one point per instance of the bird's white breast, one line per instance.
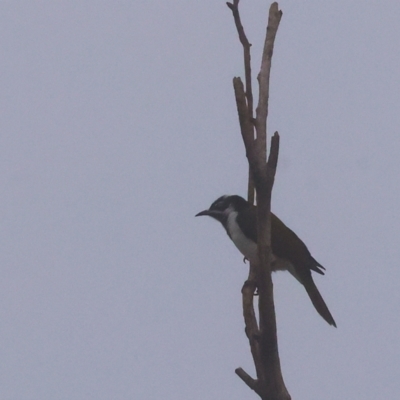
(249, 248)
(246, 246)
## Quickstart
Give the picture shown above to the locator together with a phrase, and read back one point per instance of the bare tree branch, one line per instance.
(246, 127)
(250, 320)
(246, 378)
(246, 54)
(273, 153)
(248, 81)
(274, 19)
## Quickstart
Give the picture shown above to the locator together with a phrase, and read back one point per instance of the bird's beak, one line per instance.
(205, 212)
(218, 215)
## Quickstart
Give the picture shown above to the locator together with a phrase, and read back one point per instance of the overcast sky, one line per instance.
(118, 124)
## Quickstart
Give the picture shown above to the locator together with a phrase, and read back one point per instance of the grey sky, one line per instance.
(118, 124)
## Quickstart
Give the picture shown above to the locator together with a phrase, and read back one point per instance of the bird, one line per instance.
(239, 218)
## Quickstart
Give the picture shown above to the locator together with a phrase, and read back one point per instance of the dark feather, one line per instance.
(284, 242)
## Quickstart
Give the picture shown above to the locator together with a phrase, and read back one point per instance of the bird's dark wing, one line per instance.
(286, 244)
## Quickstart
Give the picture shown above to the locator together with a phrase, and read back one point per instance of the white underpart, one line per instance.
(249, 249)
(246, 246)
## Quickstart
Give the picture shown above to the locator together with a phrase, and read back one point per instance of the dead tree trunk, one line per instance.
(269, 384)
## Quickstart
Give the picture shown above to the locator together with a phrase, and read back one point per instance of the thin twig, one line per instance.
(248, 81)
(246, 378)
(273, 157)
(246, 54)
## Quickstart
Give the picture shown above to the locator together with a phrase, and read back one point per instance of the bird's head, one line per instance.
(223, 206)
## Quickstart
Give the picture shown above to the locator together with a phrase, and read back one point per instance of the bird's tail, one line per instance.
(318, 301)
